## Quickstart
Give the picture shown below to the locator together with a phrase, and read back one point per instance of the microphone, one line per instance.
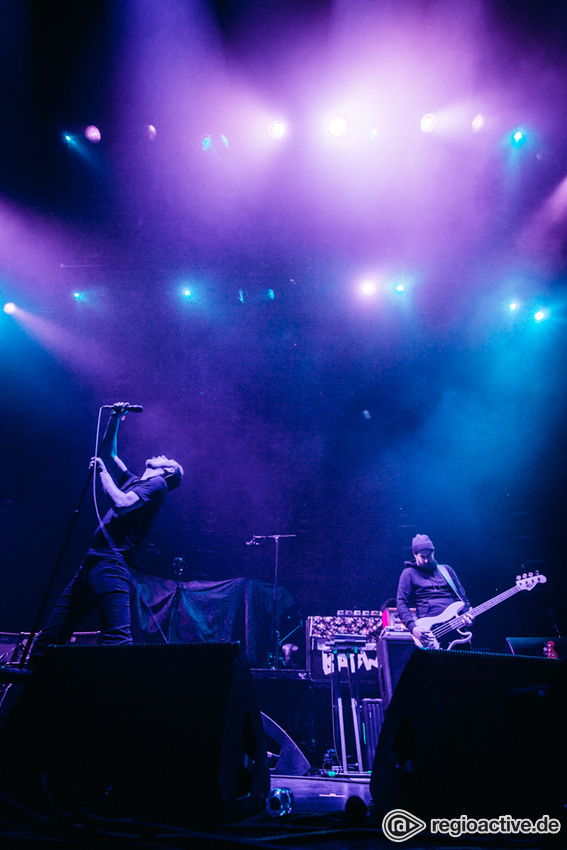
(256, 540)
(126, 408)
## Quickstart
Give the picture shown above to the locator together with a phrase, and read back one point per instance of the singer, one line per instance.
(104, 577)
(427, 587)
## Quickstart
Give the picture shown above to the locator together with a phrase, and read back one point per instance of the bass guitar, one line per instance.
(454, 619)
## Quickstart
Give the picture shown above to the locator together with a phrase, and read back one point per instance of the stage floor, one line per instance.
(334, 813)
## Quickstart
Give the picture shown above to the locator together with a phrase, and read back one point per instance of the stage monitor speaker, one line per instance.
(393, 652)
(475, 734)
(161, 732)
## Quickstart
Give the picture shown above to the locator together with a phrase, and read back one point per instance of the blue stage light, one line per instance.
(540, 315)
(518, 138)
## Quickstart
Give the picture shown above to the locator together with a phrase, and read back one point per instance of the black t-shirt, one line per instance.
(127, 529)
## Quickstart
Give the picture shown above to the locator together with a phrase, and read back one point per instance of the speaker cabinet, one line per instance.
(157, 732)
(475, 734)
(393, 652)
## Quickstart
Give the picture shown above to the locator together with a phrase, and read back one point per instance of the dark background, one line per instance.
(296, 405)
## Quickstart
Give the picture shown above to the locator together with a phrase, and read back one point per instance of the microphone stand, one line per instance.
(256, 539)
(74, 518)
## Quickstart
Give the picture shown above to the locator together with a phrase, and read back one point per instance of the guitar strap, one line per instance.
(445, 573)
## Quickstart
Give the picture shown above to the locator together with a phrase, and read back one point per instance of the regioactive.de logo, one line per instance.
(399, 825)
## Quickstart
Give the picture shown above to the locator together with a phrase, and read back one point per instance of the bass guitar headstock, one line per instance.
(528, 581)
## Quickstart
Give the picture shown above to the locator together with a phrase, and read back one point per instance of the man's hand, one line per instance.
(425, 638)
(98, 465)
(120, 408)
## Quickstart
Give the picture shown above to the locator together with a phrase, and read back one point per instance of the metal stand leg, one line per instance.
(354, 708)
(340, 711)
(349, 646)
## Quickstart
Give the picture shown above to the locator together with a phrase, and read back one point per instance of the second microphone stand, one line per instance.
(257, 539)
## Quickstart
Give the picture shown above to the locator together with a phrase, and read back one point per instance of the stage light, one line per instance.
(207, 143)
(399, 287)
(478, 122)
(93, 134)
(369, 288)
(277, 130)
(224, 140)
(71, 140)
(374, 133)
(337, 126)
(151, 131)
(78, 296)
(540, 315)
(188, 293)
(428, 123)
(518, 138)
(513, 306)
(271, 294)
(10, 308)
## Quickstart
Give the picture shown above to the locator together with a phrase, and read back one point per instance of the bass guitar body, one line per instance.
(443, 622)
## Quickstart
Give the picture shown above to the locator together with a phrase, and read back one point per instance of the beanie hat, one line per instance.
(419, 542)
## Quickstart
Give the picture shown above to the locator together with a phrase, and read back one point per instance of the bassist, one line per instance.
(429, 588)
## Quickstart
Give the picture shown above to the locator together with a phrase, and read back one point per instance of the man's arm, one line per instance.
(113, 465)
(121, 501)
(403, 602)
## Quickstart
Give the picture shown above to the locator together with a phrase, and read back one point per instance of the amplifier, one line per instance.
(391, 621)
(393, 652)
(349, 628)
(82, 638)
(366, 623)
(322, 662)
(8, 643)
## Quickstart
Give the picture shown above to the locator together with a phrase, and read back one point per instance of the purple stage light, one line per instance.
(337, 126)
(478, 122)
(368, 287)
(428, 123)
(151, 131)
(10, 308)
(93, 134)
(277, 130)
